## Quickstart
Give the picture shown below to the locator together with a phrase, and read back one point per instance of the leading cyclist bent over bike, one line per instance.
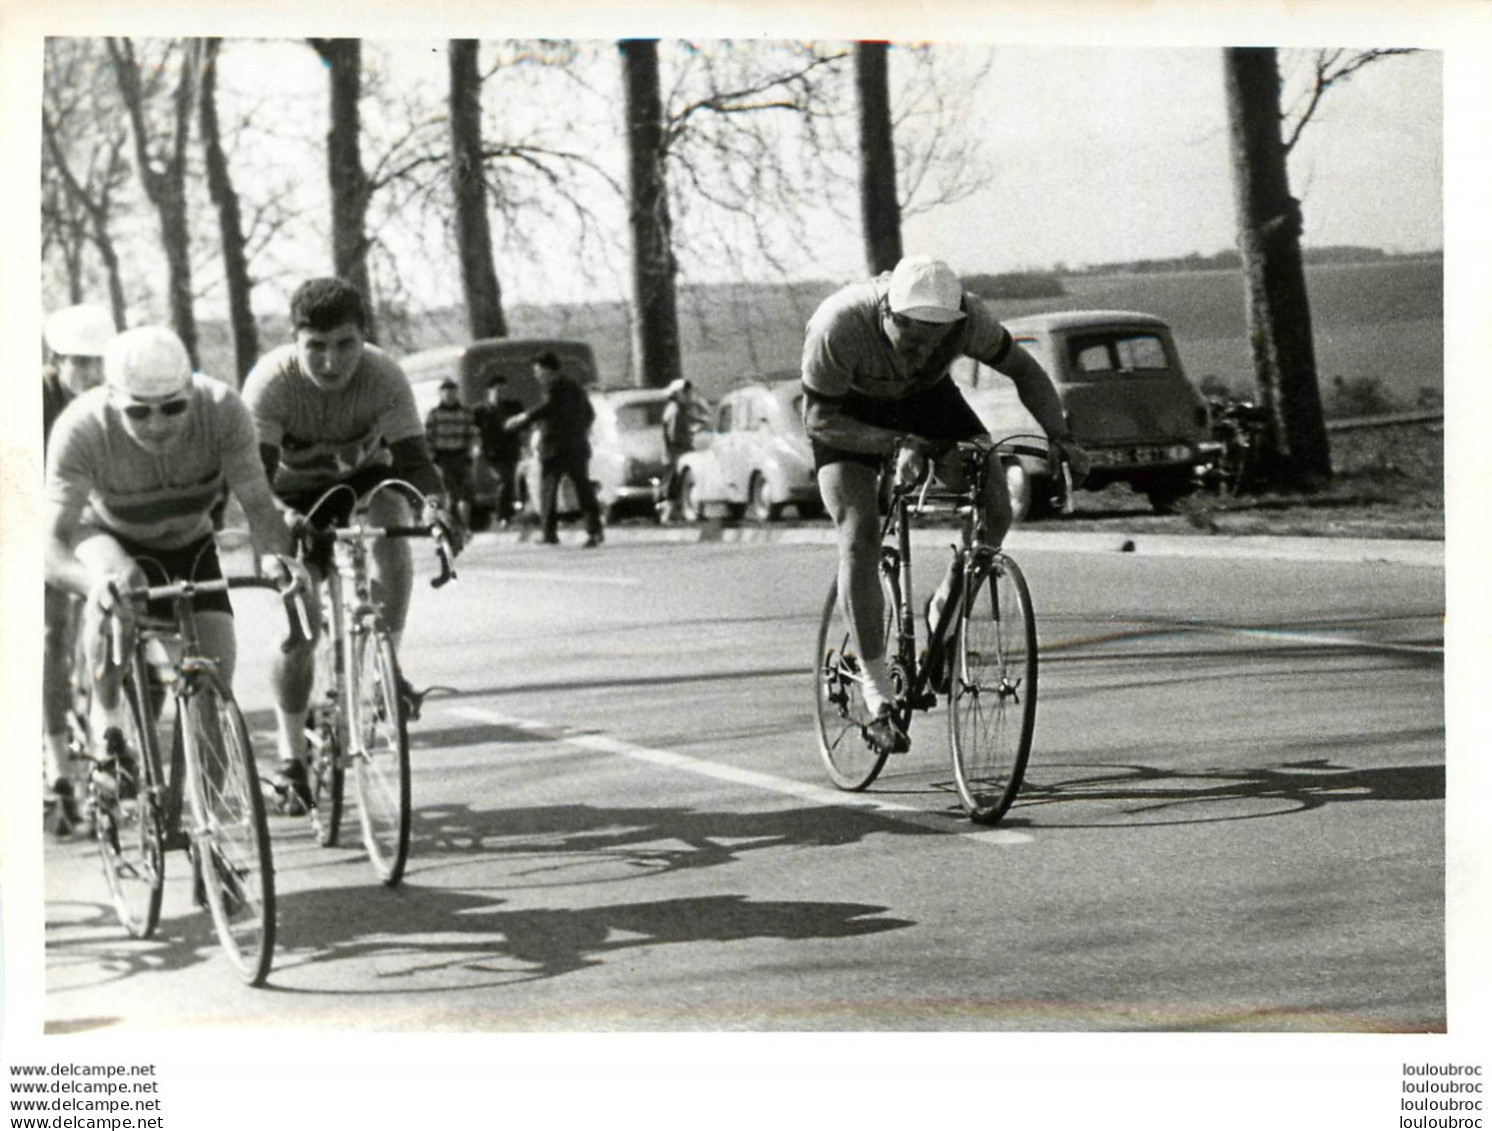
(134, 470)
(876, 384)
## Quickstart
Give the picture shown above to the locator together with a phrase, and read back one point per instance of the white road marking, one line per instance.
(549, 577)
(814, 794)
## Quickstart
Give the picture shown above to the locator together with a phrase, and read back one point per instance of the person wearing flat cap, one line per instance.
(876, 386)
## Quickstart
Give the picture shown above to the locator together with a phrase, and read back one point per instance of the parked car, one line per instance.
(1125, 395)
(627, 457)
(472, 366)
(755, 460)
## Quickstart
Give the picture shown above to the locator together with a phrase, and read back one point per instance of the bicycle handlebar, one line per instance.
(359, 531)
(291, 589)
(1037, 447)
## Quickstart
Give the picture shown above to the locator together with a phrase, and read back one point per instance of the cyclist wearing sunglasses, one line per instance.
(134, 469)
(876, 385)
(334, 410)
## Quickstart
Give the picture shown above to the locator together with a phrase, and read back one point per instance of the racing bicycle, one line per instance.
(980, 652)
(360, 704)
(210, 802)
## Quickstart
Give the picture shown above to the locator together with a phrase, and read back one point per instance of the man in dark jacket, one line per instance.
(501, 448)
(563, 417)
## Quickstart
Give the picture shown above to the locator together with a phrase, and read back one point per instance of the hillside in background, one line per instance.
(1375, 318)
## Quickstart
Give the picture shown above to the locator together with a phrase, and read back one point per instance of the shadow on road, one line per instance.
(1152, 795)
(481, 943)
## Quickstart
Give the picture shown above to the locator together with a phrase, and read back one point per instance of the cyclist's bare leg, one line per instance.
(104, 557)
(291, 674)
(393, 561)
(849, 494)
(59, 628)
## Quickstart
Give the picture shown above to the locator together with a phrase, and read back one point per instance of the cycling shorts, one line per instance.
(938, 413)
(196, 561)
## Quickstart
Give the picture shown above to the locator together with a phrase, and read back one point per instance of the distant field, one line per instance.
(1376, 320)
(1379, 320)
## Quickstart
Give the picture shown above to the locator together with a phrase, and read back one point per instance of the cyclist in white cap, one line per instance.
(75, 337)
(876, 386)
(133, 472)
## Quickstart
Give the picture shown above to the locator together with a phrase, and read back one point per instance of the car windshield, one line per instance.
(635, 417)
(1116, 353)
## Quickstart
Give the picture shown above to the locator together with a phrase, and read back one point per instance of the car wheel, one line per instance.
(759, 505)
(1164, 496)
(689, 505)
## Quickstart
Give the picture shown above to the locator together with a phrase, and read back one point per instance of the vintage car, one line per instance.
(627, 458)
(755, 460)
(1126, 397)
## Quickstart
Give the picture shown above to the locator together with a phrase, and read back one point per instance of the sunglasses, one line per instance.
(138, 411)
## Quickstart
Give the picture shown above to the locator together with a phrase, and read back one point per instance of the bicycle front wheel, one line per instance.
(379, 753)
(127, 821)
(324, 738)
(230, 840)
(992, 709)
(839, 703)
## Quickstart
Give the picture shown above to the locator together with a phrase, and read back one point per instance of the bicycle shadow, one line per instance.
(1153, 795)
(468, 940)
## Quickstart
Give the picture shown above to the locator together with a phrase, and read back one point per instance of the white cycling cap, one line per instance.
(926, 289)
(79, 331)
(149, 363)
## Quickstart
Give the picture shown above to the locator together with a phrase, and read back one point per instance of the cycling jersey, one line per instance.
(160, 501)
(846, 349)
(325, 436)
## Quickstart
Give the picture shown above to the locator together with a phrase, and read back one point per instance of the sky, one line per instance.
(1367, 173)
(1095, 154)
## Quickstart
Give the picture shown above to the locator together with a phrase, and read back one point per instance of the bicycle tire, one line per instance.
(379, 753)
(324, 735)
(992, 706)
(840, 713)
(128, 826)
(230, 837)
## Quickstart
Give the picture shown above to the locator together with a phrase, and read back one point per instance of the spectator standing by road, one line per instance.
(75, 336)
(680, 416)
(451, 432)
(500, 447)
(563, 417)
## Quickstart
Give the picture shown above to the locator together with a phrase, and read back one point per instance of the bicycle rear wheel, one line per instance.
(992, 711)
(127, 823)
(324, 737)
(230, 839)
(839, 705)
(379, 753)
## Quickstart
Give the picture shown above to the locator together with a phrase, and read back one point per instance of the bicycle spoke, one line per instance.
(993, 709)
(127, 824)
(231, 838)
(380, 755)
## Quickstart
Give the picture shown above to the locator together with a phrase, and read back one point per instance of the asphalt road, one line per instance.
(1233, 819)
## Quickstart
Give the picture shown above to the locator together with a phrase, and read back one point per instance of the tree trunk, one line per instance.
(655, 327)
(230, 221)
(880, 213)
(165, 179)
(349, 183)
(1279, 312)
(484, 306)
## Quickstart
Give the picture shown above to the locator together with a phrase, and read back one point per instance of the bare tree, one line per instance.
(83, 167)
(655, 313)
(230, 219)
(880, 211)
(161, 156)
(349, 182)
(484, 309)
(1270, 224)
